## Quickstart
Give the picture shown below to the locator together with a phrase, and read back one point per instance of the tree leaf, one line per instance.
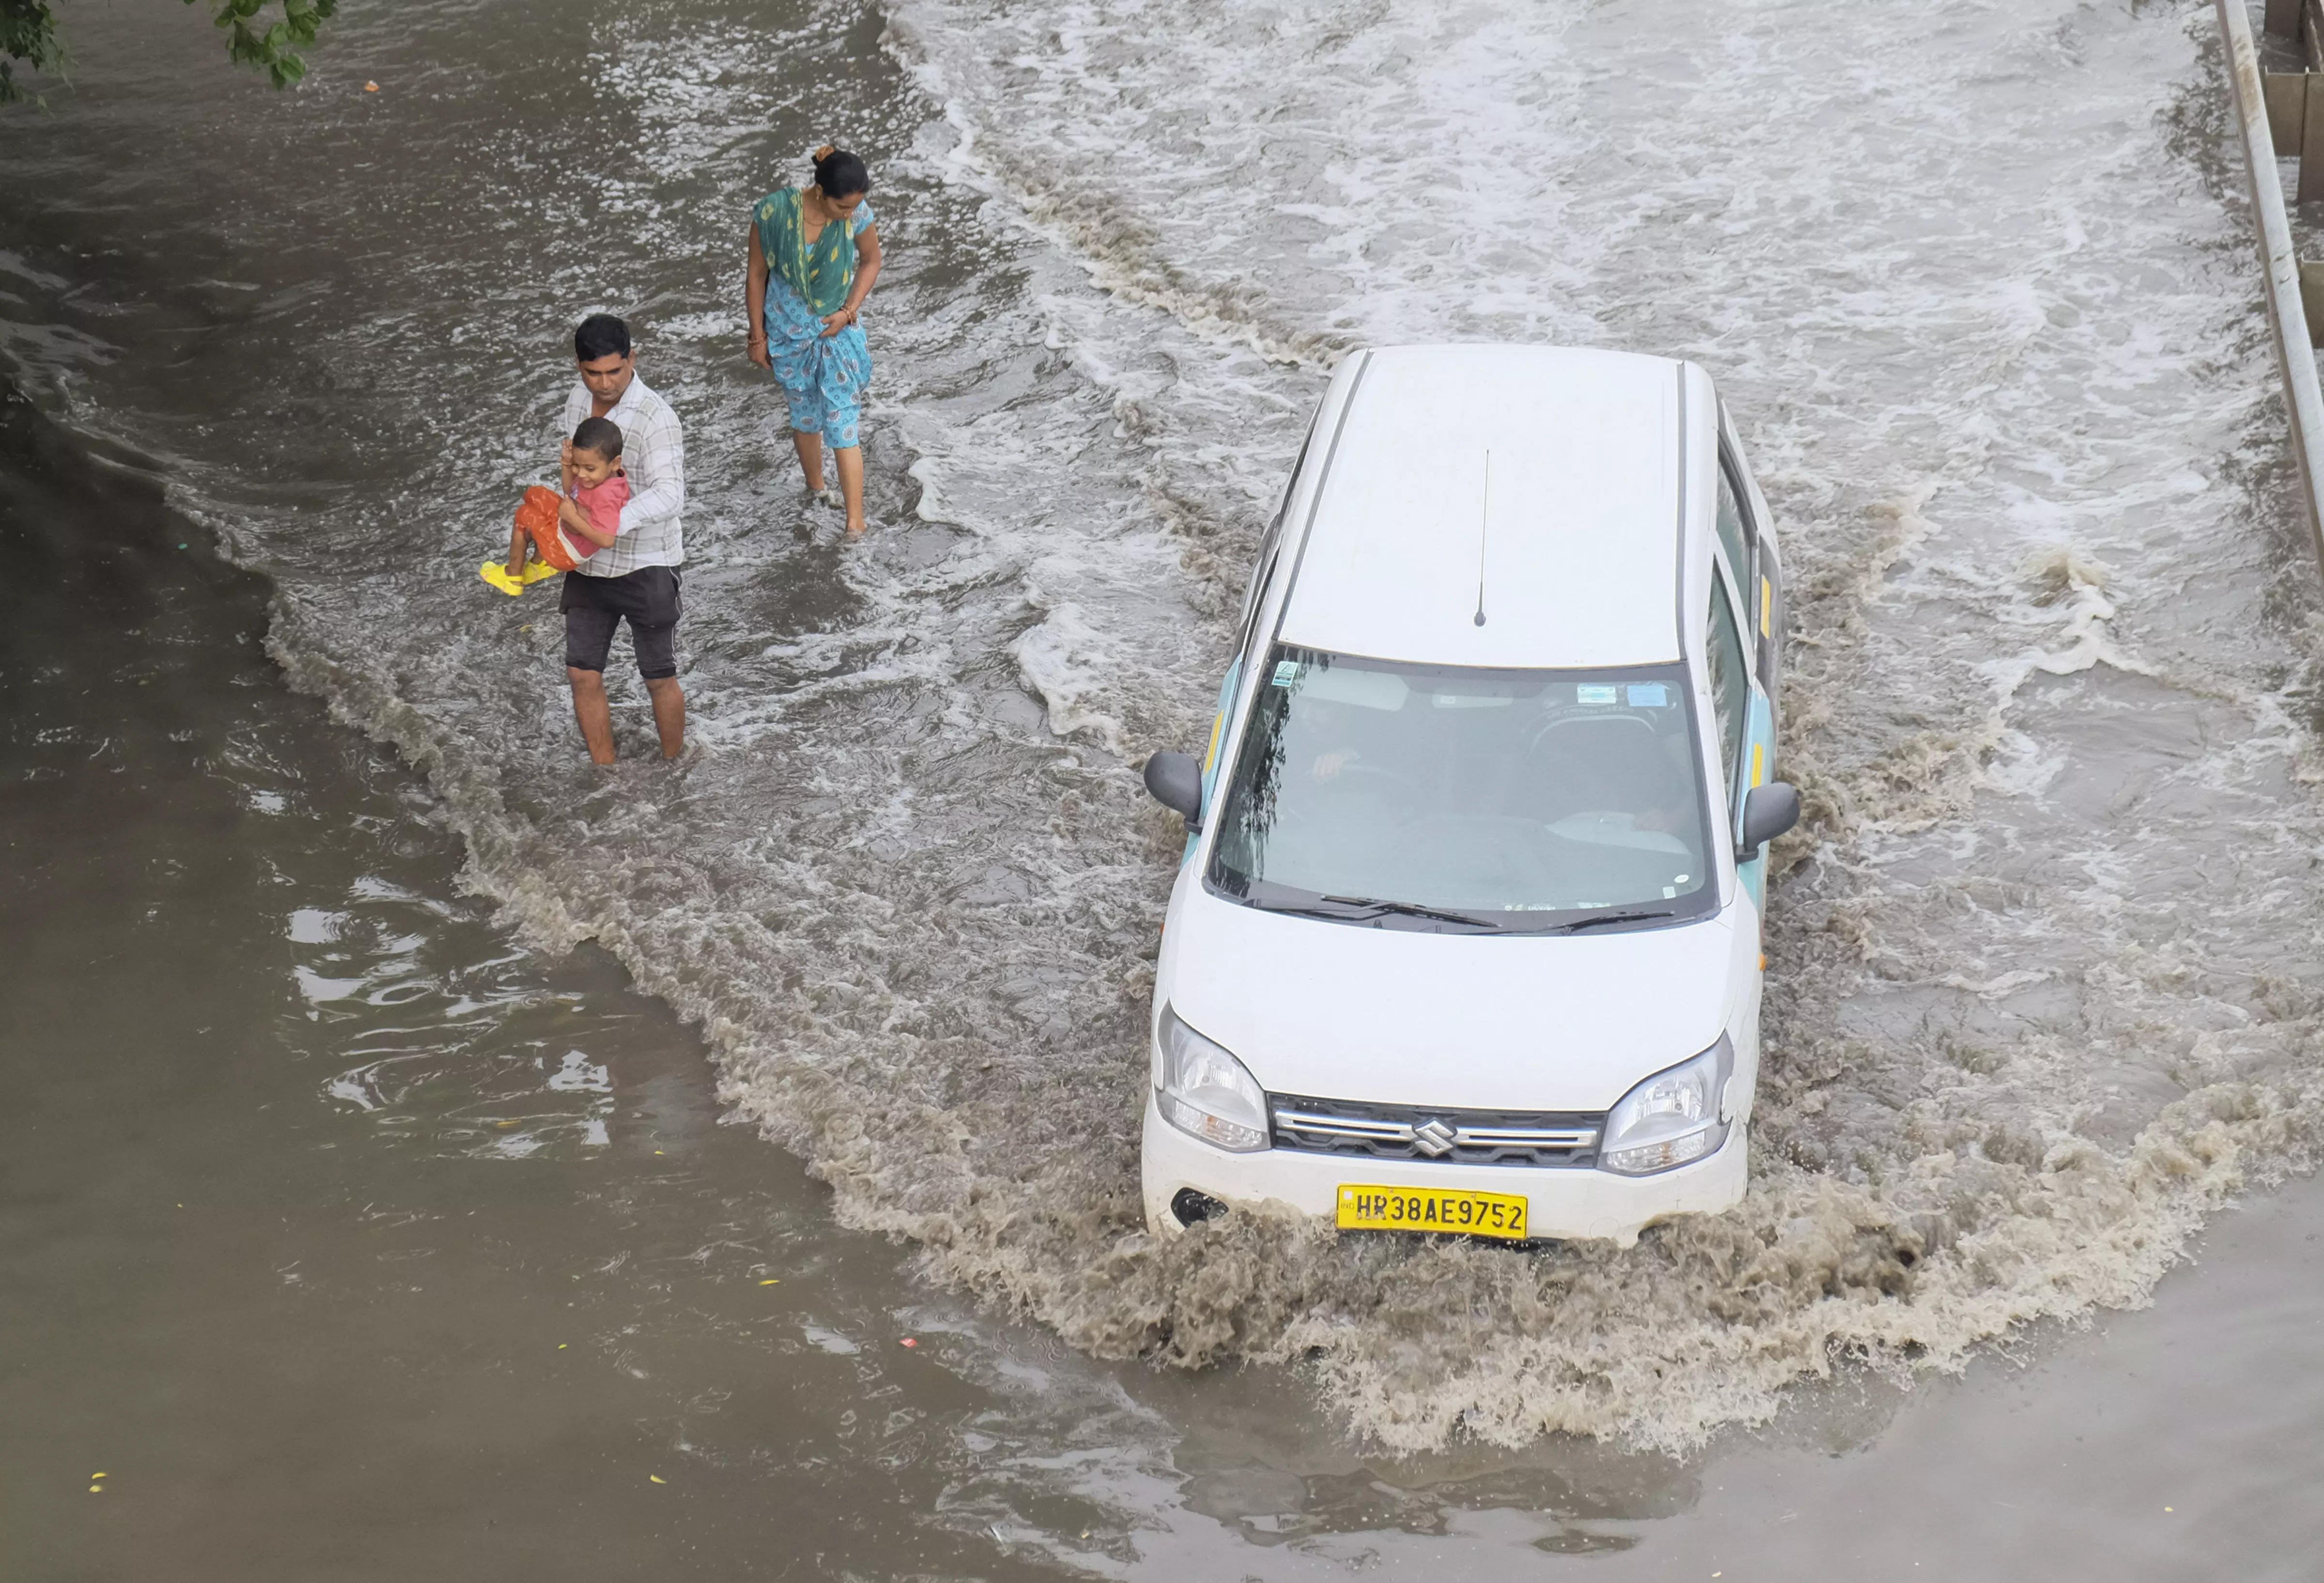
(28, 34)
(30, 41)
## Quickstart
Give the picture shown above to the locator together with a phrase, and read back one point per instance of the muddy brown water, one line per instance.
(363, 1214)
(435, 1336)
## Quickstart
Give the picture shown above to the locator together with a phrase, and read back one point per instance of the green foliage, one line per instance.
(265, 35)
(28, 34)
(275, 50)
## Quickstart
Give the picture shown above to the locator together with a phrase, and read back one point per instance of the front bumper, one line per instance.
(1562, 1204)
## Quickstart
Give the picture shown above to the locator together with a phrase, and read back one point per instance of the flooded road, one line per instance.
(468, 1262)
(349, 1238)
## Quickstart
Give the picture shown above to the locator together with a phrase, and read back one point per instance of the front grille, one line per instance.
(1357, 1131)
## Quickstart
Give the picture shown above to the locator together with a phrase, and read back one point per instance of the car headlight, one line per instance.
(1672, 1118)
(1204, 1091)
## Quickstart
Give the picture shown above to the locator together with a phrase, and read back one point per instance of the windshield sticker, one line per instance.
(1287, 671)
(1649, 695)
(1589, 694)
(1346, 684)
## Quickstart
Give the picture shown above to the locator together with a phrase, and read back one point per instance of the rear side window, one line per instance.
(1258, 580)
(1734, 533)
(1730, 684)
(1272, 541)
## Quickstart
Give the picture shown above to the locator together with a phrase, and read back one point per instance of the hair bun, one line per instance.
(826, 151)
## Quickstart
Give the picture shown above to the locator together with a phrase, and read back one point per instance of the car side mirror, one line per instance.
(1768, 811)
(1176, 780)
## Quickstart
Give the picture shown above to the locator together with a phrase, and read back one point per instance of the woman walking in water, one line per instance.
(814, 253)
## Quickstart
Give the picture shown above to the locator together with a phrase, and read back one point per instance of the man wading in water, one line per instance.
(635, 578)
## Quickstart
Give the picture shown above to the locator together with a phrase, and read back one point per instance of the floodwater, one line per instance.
(367, 1211)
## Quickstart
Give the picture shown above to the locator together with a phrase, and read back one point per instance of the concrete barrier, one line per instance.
(2287, 313)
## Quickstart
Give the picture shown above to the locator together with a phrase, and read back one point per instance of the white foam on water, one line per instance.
(1969, 281)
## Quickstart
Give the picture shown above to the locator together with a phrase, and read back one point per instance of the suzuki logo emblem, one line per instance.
(1433, 1138)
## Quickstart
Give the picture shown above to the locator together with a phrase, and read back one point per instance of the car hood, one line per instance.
(1499, 1022)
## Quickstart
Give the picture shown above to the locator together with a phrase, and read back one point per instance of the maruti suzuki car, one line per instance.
(1466, 937)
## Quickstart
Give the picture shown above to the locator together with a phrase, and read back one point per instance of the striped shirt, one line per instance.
(653, 454)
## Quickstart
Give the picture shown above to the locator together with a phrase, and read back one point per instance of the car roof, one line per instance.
(1573, 526)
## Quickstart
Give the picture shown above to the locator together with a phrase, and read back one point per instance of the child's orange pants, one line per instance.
(538, 517)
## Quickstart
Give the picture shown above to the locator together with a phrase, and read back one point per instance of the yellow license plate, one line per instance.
(1433, 1208)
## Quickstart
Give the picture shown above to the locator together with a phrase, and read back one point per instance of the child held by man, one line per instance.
(554, 532)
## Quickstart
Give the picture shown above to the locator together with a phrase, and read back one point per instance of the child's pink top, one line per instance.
(603, 502)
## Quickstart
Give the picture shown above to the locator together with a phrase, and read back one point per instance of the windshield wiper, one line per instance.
(1591, 923)
(1363, 907)
(1374, 907)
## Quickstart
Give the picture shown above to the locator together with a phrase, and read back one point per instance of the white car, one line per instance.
(1466, 938)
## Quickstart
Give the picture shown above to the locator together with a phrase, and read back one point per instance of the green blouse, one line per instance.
(821, 273)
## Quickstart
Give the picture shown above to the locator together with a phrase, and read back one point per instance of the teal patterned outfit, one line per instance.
(823, 376)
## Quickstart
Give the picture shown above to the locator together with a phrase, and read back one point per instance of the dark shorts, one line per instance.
(646, 598)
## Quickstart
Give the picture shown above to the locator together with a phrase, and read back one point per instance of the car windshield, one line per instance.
(1448, 797)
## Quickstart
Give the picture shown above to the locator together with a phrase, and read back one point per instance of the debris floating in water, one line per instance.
(371, 87)
(658, 1478)
(908, 1341)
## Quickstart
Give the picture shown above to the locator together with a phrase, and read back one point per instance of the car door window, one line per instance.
(1730, 684)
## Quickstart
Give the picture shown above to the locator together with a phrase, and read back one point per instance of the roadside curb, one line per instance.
(2280, 266)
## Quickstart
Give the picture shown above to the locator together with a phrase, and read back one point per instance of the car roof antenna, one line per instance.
(1484, 512)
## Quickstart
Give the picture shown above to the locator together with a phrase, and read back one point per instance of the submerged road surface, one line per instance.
(2042, 989)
